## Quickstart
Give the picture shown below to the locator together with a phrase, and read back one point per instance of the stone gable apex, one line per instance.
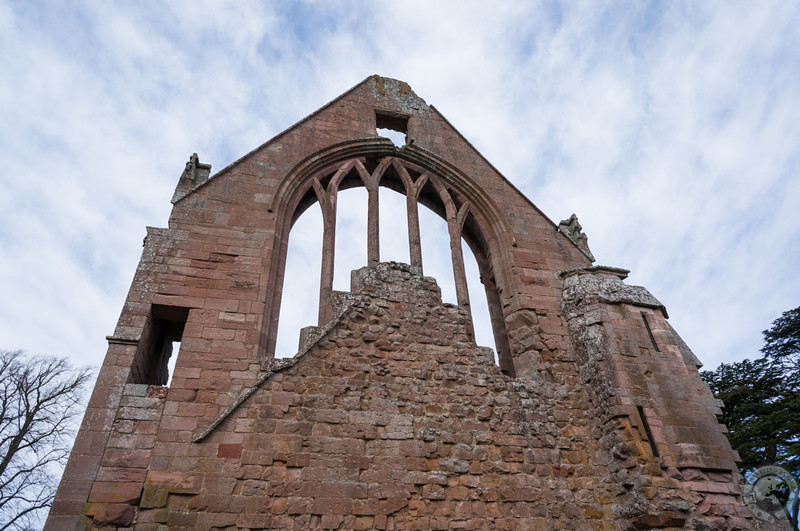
(394, 98)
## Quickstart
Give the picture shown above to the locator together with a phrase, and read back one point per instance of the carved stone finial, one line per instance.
(194, 174)
(573, 230)
(196, 171)
(191, 165)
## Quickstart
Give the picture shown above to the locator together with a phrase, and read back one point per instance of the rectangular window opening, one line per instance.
(392, 126)
(650, 332)
(647, 431)
(159, 343)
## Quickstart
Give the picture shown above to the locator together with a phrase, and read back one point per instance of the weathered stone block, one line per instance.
(111, 514)
(115, 492)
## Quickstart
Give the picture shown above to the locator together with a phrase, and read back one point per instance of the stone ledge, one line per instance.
(616, 271)
(604, 284)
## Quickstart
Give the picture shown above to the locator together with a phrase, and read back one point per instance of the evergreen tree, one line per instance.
(762, 402)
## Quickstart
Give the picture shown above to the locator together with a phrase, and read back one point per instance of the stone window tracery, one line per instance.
(418, 185)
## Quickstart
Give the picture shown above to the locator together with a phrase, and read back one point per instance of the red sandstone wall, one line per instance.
(394, 420)
(386, 423)
(665, 448)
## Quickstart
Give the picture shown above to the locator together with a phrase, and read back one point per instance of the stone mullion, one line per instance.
(498, 321)
(456, 256)
(373, 226)
(413, 190)
(327, 202)
(459, 271)
(414, 239)
(371, 182)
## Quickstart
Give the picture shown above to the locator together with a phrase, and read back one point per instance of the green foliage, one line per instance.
(782, 344)
(762, 401)
(758, 411)
(762, 398)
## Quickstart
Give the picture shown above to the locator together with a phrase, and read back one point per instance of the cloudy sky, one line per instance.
(671, 128)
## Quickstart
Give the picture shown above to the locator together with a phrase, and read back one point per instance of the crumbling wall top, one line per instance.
(396, 95)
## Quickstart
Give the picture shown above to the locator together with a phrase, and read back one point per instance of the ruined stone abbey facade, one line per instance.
(390, 416)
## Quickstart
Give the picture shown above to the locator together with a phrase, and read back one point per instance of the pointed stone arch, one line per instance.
(470, 214)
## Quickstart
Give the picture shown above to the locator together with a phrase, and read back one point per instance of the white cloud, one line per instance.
(670, 129)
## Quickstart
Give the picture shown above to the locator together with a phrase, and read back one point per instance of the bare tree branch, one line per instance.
(40, 399)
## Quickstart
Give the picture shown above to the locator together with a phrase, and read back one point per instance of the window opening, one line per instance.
(398, 139)
(438, 263)
(436, 259)
(351, 236)
(164, 326)
(393, 226)
(479, 306)
(300, 296)
(393, 127)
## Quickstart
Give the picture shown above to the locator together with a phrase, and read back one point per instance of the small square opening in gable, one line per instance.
(393, 127)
